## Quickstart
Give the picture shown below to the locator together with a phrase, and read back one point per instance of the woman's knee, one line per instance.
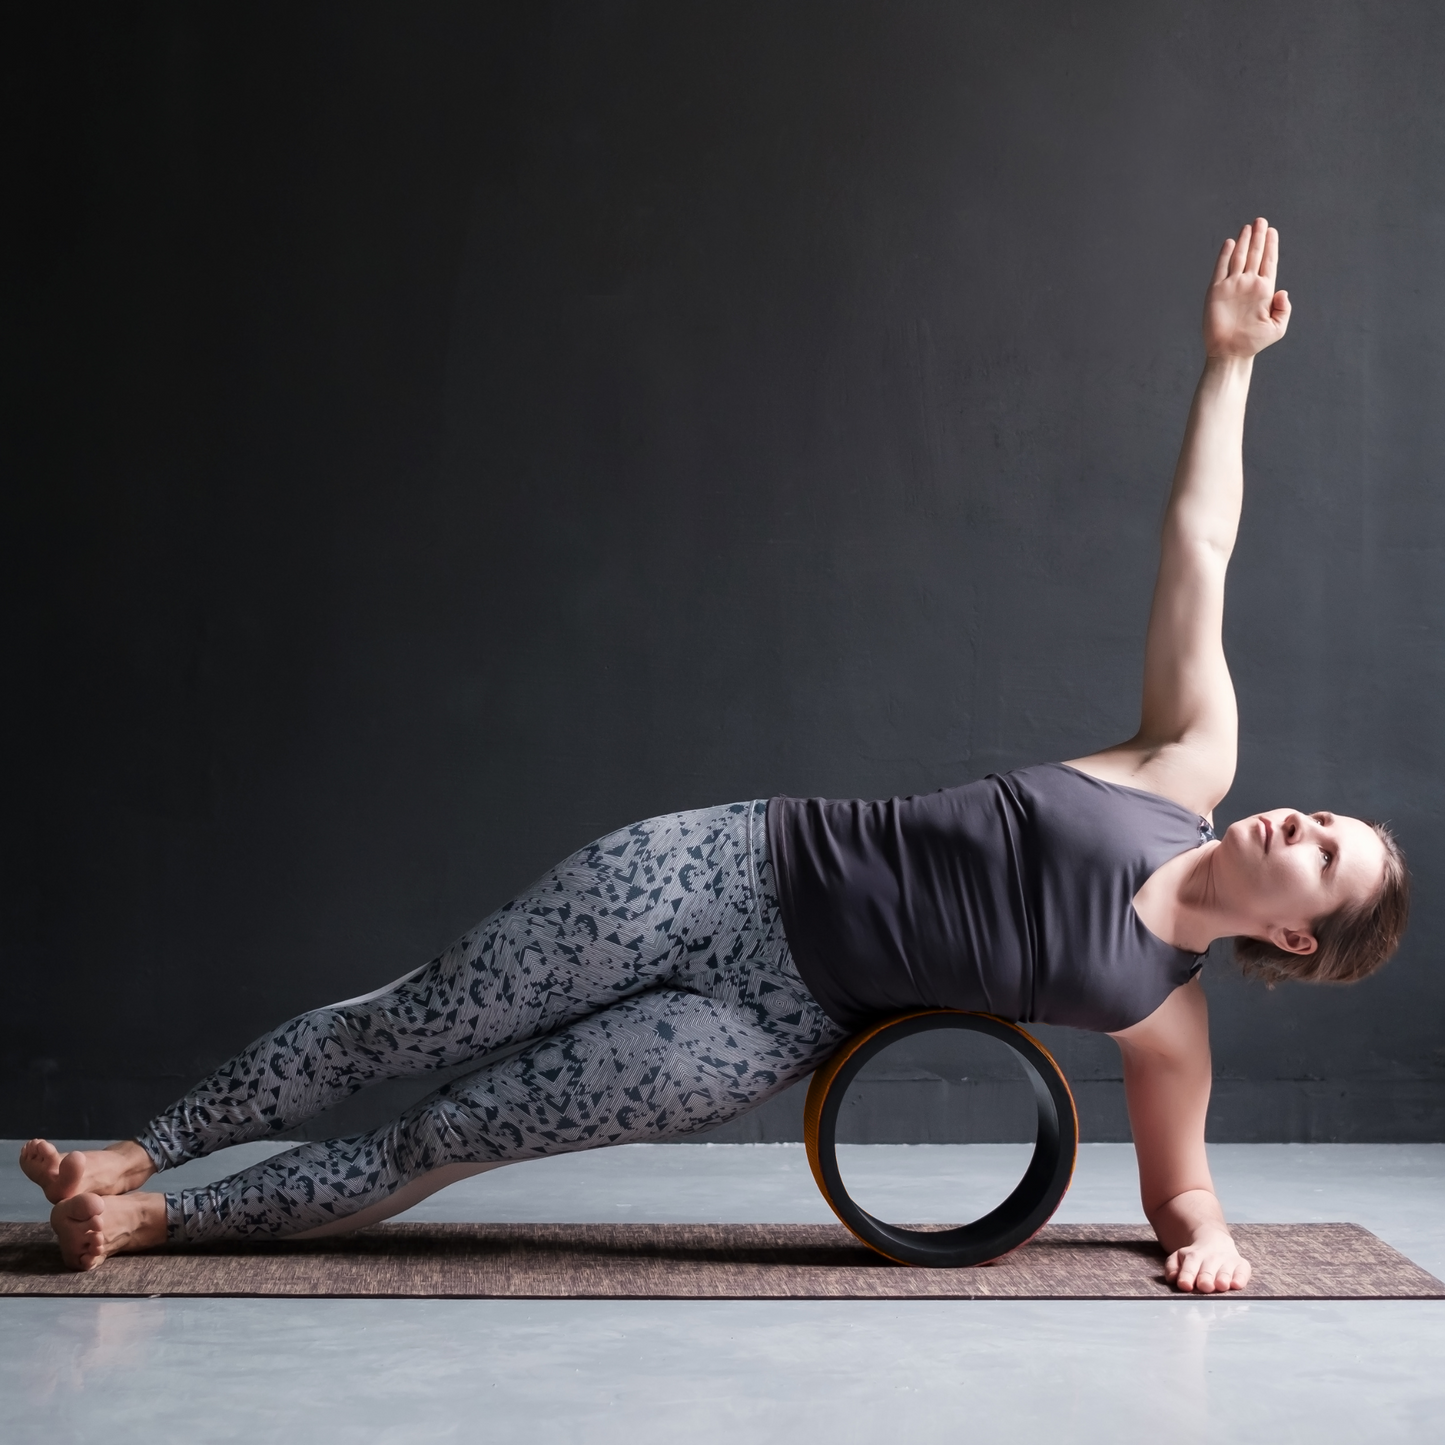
(443, 1130)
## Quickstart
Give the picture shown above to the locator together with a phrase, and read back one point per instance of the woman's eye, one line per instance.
(1326, 855)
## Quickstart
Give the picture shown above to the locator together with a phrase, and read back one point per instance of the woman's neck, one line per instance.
(1181, 903)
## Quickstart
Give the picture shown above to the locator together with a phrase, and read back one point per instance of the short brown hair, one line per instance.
(1353, 942)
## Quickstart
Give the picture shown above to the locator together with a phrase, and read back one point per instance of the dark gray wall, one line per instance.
(436, 435)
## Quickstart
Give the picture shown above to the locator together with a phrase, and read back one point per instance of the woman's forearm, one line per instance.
(1208, 490)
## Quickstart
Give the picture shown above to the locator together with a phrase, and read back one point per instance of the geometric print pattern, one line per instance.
(646, 979)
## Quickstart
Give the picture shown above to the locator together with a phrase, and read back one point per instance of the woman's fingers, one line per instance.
(1254, 253)
(1279, 309)
(1199, 1270)
(1241, 251)
(1259, 233)
(1270, 269)
(1221, 266)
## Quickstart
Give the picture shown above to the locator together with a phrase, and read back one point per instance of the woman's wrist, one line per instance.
(1208, 1231)
(1238, 368)
(1190, 1218)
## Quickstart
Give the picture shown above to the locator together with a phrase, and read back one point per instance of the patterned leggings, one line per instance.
(647, 976)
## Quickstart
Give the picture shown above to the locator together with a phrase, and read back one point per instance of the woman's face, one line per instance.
(1287, 869)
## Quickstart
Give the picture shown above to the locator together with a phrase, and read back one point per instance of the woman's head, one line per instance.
(1324, 899)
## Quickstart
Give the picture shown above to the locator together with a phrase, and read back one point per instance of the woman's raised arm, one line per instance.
(1188, 727)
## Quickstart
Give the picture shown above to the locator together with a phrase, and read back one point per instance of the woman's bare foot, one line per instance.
(90, 1227)
(115, 1170)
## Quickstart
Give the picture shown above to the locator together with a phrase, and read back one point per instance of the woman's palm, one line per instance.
(1243, 313)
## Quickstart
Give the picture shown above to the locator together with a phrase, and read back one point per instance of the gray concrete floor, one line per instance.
(1180, 1370)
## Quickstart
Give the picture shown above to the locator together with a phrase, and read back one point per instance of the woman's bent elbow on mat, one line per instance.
(678, 972)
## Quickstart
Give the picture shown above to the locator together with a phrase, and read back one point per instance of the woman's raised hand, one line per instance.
(1243, 313)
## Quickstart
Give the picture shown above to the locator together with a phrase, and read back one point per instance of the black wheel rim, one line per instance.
(1033, 1200)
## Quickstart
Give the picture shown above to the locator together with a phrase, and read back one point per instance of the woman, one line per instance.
(679, 972)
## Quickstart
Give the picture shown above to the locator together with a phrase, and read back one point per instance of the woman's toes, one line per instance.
(69, 1175)
(80, 1211)
(79, 1227)
(59, 1175)
(39, 1160)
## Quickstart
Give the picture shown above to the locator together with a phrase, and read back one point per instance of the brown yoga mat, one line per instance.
(708, 1261)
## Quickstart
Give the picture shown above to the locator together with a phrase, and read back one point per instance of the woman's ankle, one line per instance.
(137, 1166)
(150, 1227)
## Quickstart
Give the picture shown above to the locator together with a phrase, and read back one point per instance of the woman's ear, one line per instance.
(1294, 940)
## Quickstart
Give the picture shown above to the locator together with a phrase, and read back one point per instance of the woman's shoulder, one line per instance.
(1104, 819)
(1170, 772)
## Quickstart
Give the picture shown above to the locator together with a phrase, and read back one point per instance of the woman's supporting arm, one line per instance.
(1186, 743)
(1167, 1076)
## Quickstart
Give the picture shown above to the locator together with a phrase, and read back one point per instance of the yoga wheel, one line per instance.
(1020, 1216)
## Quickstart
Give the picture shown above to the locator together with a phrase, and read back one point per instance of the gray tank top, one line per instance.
(1011, 896)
